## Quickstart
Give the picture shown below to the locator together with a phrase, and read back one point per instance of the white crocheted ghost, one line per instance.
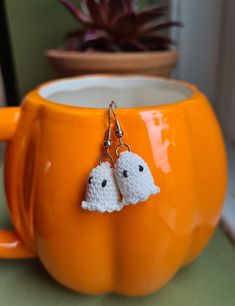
(134, 178)
(102, 192)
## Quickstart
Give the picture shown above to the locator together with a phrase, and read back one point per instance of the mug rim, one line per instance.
(35, 97)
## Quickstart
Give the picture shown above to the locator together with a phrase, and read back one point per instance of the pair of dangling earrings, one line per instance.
(129, 176)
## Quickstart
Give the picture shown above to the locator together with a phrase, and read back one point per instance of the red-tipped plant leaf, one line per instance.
(133, 45)
(94, 34)
(116, 8)
(151, 14)
(97, 42)
(95, 12)
(115, 25)
(75, 11)
(130, 6)
(104, 7)
(125, 25)
(159, 27)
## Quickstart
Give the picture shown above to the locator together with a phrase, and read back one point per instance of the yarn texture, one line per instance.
(102, 193)
(134, 178)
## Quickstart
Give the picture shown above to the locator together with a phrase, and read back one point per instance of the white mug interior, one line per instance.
(126, 91)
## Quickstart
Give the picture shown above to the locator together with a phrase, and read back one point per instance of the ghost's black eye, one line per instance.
(141, 168)
(125, 174)
(90, 179)
(104, 183)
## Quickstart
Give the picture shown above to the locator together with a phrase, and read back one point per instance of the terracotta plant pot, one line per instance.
(71, 63)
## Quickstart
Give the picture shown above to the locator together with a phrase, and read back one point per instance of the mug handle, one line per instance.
(11, 245)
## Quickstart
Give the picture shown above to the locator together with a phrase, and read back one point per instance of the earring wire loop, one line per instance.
(105, 157)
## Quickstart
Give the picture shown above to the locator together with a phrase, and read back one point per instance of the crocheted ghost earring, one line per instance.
(133, 176)
(102, 192)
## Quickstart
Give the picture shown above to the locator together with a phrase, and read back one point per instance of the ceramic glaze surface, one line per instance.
(51, 150)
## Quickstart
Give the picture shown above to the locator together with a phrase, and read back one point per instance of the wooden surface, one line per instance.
(209, 281)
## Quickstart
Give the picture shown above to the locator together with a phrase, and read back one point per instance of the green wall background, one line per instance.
(35, 26)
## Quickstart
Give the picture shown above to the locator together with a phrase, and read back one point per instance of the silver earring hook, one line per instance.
(112, 108)
(118, 130)
(110, 115)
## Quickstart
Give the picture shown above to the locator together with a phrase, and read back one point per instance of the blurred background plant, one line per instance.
(116, 26)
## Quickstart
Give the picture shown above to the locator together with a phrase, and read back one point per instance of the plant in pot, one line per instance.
(114, 37)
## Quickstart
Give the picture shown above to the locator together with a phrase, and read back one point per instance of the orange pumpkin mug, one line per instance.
(55, 138)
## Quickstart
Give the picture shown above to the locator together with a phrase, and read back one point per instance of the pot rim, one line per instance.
(56, 53)
(117, 60)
